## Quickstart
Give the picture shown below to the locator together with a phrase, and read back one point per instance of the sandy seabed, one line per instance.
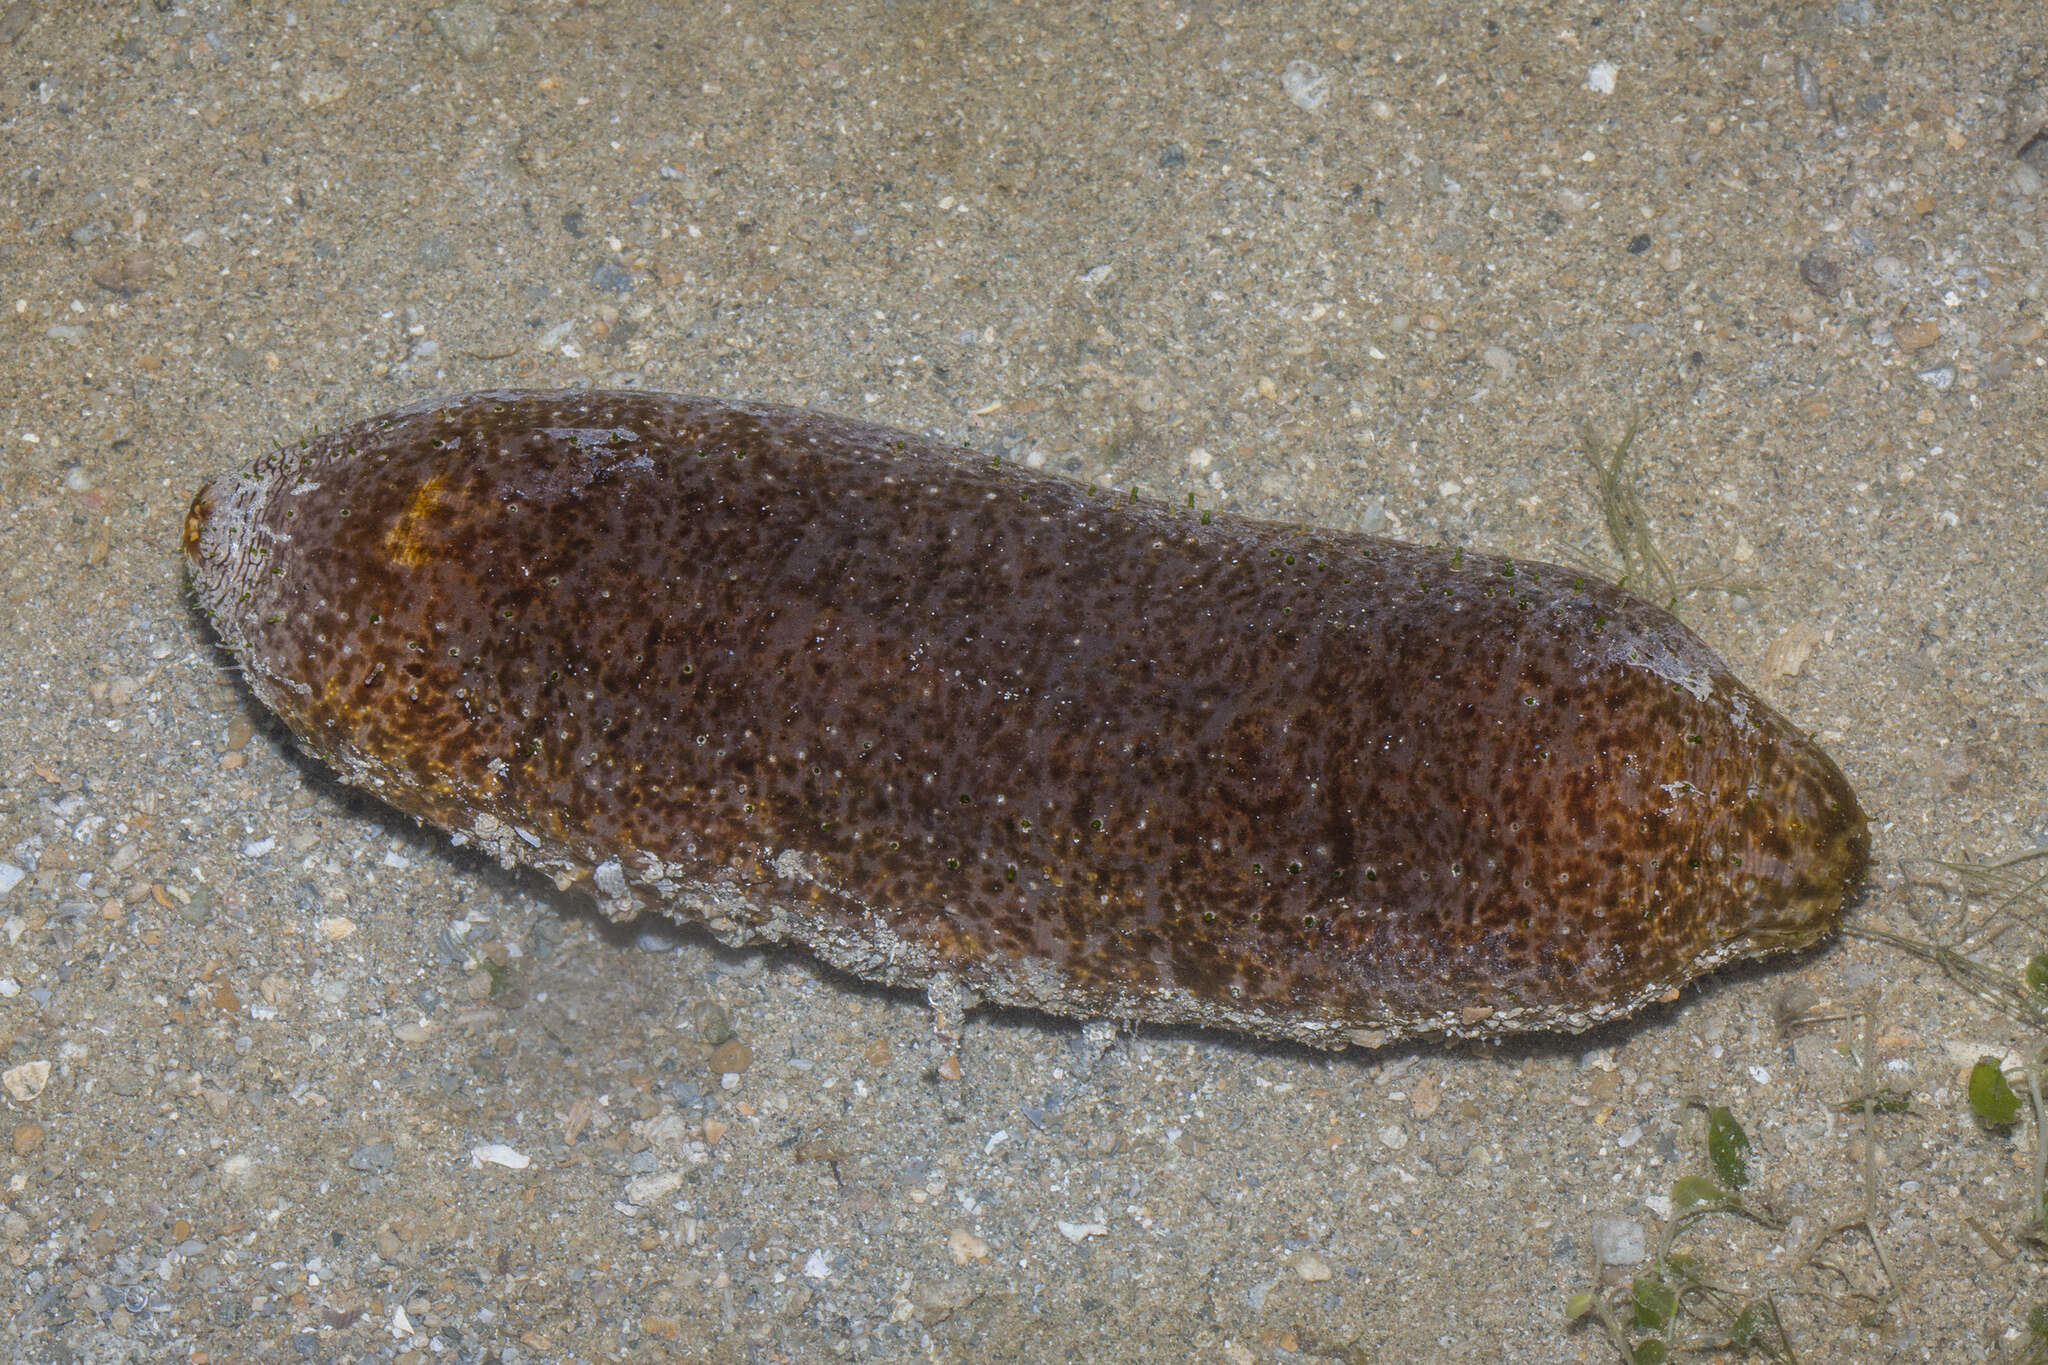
(288, 1078)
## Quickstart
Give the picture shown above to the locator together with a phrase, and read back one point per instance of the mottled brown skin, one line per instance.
(801, 677)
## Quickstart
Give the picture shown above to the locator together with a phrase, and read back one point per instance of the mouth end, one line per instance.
(1838, 866)
(1845, 834)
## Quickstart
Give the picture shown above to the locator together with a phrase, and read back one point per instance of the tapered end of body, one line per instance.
(1821, 854)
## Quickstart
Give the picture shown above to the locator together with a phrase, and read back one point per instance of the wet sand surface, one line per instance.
(289, 1078)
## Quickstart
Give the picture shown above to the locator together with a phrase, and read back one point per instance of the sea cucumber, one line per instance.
(990, 732)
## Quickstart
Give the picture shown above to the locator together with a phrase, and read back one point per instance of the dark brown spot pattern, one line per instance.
(804, 678)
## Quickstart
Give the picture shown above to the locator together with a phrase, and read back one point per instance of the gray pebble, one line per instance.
(375, 1157)
(709, 1020)
(467, 28)
(656, 940)
(1305, 84)
(547, 934)
(1806, 83)
(1821, 273)
(1620, 1241)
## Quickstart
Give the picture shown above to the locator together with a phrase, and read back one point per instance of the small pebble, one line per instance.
(1306, 85)
(963, 1246)
(498, 1154)
(1312, 1267)
(645, 1189)
(127, 274)
(1821, 274)
(468, 28)
(935, 1300)
(656, 939)
(709, 1020)
(26, 1081)
(1078, 1233)
(322, 88)
(375, 1157)
(1619, 1241)
(1788, 654)
(1916, 336)
(1806, 83)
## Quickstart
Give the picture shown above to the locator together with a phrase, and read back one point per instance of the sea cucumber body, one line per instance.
(802, 678)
